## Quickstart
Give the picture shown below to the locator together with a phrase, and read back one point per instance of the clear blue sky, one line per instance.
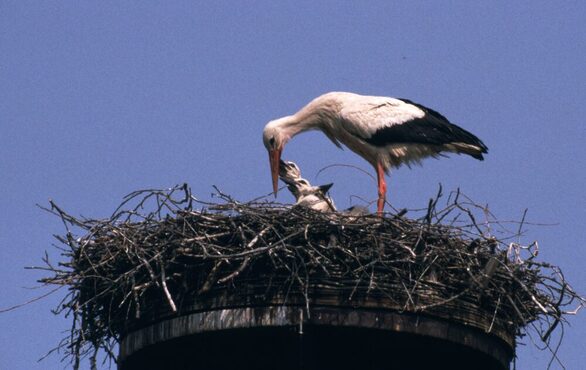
(101, 98)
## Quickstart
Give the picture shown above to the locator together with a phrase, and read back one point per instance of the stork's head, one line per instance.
(274, 137)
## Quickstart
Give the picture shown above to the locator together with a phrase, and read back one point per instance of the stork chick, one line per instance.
(306, 195)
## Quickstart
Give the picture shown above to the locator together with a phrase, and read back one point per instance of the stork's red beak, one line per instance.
(274, 159)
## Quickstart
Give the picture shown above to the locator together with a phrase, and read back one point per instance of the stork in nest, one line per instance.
(306, 195)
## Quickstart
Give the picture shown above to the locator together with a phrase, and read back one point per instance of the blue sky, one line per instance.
(98, 99)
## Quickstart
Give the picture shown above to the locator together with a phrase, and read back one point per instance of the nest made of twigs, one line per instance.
(184, 249)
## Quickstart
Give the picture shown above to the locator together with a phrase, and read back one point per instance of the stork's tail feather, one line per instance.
(475, 151)
(465, 142)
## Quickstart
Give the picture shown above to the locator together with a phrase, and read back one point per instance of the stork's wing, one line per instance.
(392, 121)
(365, 117)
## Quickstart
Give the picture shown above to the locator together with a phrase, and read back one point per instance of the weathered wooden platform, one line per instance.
(233, 332)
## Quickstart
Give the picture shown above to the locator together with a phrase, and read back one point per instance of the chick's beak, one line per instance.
(274, 159)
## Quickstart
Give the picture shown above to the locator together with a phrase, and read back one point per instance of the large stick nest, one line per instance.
(166, 247)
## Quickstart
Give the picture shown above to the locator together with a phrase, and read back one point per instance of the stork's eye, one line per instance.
(272, 141)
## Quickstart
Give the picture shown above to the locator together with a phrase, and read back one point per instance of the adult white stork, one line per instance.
(387, 132)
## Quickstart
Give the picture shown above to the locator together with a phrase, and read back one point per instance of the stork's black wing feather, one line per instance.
(433, 128)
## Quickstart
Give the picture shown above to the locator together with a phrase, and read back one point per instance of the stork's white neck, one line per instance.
(290, 126)
(319, 114)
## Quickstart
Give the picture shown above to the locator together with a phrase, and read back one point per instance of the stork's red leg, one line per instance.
(382, 188)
